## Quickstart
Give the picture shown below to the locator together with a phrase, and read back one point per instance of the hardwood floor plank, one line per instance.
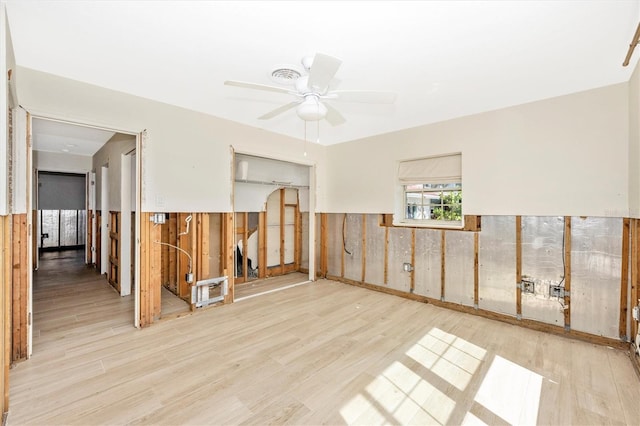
(321, 353)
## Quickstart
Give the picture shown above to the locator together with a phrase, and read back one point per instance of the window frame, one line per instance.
(441, 184)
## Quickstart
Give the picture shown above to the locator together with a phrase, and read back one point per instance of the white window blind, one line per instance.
(440, 169)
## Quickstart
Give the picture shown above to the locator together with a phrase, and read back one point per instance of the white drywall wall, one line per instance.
(19, 170)
(186, 162)
(7, 62)
(634, 144)
(56, 162)
(561, 156)
(110, 154)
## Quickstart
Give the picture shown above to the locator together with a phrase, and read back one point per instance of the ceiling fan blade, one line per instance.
(363, 96)
(323, 68)
(257, 86)
(278, 111)
(333, 116)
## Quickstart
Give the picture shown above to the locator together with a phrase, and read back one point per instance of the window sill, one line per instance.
(470, 223)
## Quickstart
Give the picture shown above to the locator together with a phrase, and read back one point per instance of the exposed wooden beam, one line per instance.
(228, 238)
(364, 247)
(5, 306)
(344, 232)
(476, 268)
(19, 286)
(632, 46)
(567, 272)
(443, 246)
(518, 266)
(262, 244)
(386, 255)
(412, 274)
(282, 233)
(624, 280)
(635, 276)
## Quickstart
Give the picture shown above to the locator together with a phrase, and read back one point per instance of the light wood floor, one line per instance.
(268, 285)
(322, 353)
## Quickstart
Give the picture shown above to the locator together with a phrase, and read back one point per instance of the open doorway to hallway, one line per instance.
(84, 213)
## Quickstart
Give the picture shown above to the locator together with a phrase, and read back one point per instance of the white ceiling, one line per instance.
(444, 59)
(54, 136)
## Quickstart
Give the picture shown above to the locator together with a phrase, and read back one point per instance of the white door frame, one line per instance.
(104, 223)
(125, 224)
(92, 220)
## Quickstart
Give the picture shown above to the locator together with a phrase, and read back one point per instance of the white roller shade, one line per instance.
(441, 169)
(61, 191)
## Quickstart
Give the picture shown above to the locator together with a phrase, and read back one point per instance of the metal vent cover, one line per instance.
(285, 74)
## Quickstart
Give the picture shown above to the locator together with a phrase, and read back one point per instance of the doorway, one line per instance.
(78, 205)
(272, 225)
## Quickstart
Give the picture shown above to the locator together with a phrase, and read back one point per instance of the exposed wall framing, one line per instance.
(89, 242)
(187, 242)
(460, 263)
(98, 247)
(228, 253)
(20, 282)
(624, 280)
(114, 250)
(5, 307)
(150, 271)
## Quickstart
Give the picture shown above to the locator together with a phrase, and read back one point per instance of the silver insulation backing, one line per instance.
(596, 266)
(542, 262)
(596, 251)
(353, 247)
(374, 268)
(497, 265)
(428, 263)
(399, 253)
(334, 244)
(459, 267)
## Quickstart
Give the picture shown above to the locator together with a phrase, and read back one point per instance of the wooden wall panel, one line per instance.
(624, 280)
(98, 248)
(518, 266)
(19, 255)
(228, 256)
(323, 245)
(635, 270)
(202, 223)
(567, 272)
(186, 242)
(150, 271)
(5, 309)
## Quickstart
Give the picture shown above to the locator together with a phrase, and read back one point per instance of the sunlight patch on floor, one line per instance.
(511, 391)
(403, 393)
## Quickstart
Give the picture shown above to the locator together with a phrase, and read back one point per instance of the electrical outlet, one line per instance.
(556, 291)
(528, 286)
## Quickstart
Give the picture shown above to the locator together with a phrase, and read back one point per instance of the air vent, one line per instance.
(285, 75)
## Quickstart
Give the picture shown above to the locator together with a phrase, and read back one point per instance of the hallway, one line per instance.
(70, 299)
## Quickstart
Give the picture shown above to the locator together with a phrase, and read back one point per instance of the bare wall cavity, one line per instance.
(595, 265)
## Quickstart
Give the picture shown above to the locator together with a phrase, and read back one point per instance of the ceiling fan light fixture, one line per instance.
(311, 109)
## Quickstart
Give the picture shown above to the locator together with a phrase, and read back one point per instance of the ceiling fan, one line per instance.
(312, 89)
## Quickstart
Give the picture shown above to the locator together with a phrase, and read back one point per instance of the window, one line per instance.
(431, 192)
